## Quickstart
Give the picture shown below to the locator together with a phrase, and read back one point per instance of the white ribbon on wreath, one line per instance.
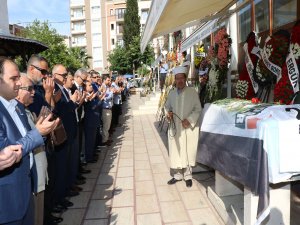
(293, 71)
(250, 67)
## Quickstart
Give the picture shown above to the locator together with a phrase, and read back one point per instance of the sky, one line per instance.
(23, 12)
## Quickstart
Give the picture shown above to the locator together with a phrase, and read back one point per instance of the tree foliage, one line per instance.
(131, 22)
(58, 52)
(126, 60)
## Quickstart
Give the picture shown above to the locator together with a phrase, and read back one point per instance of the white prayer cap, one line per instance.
(186, 63)
(179, 69)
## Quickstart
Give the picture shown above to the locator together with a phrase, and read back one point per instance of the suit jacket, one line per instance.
(80, 109)
(92, 113)
(15, 181)
(65, 109)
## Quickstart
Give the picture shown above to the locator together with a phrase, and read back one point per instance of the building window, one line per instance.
(97, 64)
(112, 26)
(97, 37)
(78, 13)
(120, 42)
(111, 12)
(120, 29)
(96, 26)
(244, 22)
(97, 53)
(79, 40)
(120, 13)
(284, 12)
(144, 14)
(262, 18)
(79, 26)
(113, 41)
(96, 10)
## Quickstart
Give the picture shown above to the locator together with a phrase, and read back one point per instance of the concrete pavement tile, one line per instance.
(98, 209)
(127, 143)
(146, 204)
(167, 193)
(183, 223)
(106, 178)
(140, 149)
(126, 155)
(108, 167)
(73, 216)
(92, 175)
(193, 200)
(173, 212)
(142, 165)
(154, 152)
(89, 185)
(125, 172)
(161, 179)
(140, 144)
(141, 156)
(204, 216)
(103, 192)
(144, 188)
(122, 216)
(96, 222)
(149, 219)
(128, 148)
(141, 175)
(124, 183)
(123, 198)
(125, 162)
(81, 200)
(97, 165)
(182, 186)
(159, 168)
(155, 159)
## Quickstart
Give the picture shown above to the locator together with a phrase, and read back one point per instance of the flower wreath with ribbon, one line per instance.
(199, 55)
(246, 86)
(268, 70)
(288, 85)
(219, 57)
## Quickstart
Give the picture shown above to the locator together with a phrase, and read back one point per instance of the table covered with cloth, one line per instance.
(254, 144)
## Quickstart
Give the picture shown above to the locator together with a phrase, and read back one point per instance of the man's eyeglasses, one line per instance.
(43, 71)
(27, 88)
(82, 79)
(95, 77)
(64, 75)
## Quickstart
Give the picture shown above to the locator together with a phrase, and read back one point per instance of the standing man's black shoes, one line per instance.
(173, 181)
(189, 183)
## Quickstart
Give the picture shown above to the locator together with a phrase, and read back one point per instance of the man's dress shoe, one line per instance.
(173, 181)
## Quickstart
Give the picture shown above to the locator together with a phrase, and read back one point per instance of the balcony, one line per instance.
(77, 18)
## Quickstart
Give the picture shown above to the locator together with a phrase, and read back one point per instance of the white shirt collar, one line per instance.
(11, 104)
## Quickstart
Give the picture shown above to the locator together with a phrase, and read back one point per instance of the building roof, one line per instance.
(13, 46)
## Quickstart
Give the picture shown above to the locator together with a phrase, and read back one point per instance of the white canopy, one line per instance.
(167, 16)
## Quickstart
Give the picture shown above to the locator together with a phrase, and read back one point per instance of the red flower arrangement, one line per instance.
(283, 91)
(275, 50)
(244, 76)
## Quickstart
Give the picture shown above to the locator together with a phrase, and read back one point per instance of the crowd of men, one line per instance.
(34, 166)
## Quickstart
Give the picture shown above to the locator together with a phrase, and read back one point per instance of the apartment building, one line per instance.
(97, 26)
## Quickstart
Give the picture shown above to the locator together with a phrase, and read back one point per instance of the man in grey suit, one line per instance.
(15, 181)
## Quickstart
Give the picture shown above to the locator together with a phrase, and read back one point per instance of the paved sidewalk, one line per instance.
(128, 184)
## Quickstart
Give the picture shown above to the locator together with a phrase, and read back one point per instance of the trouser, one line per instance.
(116, 111)
(106, 120)
(184, 173)
(73, 159)
(60, 184)
(39, 208)
(90, 139)
(49, 188)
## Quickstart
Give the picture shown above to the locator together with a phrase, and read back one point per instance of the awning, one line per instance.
(167, 16)
(199, 34)
(157, 60)
(13, 46)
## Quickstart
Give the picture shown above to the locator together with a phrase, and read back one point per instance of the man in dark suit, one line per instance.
(80, 77)
(15, 182)
(65, 153)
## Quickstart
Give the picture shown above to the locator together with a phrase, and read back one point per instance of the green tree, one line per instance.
(126, 60)
(118, 60)
(58, 52)
(131, 22)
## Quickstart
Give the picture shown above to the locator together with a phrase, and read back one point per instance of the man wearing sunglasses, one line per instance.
(44, 87)
(66, 164)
